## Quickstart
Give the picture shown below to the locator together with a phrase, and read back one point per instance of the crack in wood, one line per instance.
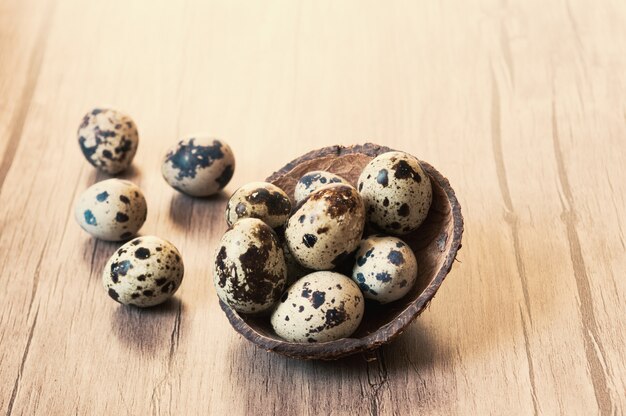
(18, 378)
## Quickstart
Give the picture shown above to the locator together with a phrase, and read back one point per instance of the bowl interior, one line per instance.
(432, 244)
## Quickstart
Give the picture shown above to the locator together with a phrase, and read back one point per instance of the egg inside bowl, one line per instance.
(435, 245)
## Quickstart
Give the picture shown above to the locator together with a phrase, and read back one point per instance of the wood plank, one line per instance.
(520, 104)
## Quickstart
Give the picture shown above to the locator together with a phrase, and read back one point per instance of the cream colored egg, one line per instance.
(385, 268)
(250, 271)
(320, 307)
(327, 227)
(112, 210)
(314, 180)
(396, 191)
(261, 200)
(144, 272)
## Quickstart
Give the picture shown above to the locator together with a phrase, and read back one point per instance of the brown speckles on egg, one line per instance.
(250, 270)
(386, 268)
(336, 220)
(107, 147)
(159, 272)
(396, 192)
(260, 200)
(312, 181)
(325, 309)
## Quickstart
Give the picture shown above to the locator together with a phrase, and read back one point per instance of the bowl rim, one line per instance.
(386, 333)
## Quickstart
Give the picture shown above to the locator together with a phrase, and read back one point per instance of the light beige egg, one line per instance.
(108, 139)
(314, 180)
(396, 191)
(327, 227)
(144, 272)
(261, 200)
(385, 268)
(319, 307)
(250, 271)
(112, 210)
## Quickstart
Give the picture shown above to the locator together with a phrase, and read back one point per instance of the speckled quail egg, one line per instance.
(144, 272)
(108, 139)
(199, 166)
(327, 227)
(112, 210)
(312, 181)
(260, 200)
(322, 306)
(396, 191)
(385, 269)
(250, 271)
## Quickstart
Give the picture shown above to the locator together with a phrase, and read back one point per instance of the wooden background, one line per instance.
(521, 104)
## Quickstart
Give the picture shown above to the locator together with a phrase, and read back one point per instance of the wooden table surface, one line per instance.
(521, 104)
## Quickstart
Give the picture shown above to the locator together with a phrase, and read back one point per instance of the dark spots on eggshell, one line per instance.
(124, 199)
(189, 157)
(317, 299)
(114, 295)
(120, 269)
(340, 200)
(333, 317)
(308, 179)
(400, 244)
(404, 210)
(135, 295)
(363, 259)
(394, 225)
(142, 253)
(323, 230)
(136, 242)
(311, 340)
(225, 176)
(403, 283)
(300, 308)
(159, 249)
(286, 317)
(276, 202)
(308, 318)
(161, 281)
(301, 219)
(383, 277)
(309, 240)
(102, 196)
(89, 217)
(141, 277)
(107, 154)
(382, 177)
(148, 292)
(386, 202)
(402, 170)
(360, 186)
(121, 217)
(240, 209)
(395, 257)
(223, 271)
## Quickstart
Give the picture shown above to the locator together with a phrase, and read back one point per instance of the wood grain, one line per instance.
(519, 103)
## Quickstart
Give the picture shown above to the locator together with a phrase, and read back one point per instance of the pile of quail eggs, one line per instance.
(307, 265)
(146, 270)
(285, 261)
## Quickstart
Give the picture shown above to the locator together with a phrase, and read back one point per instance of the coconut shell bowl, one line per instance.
(435, 244)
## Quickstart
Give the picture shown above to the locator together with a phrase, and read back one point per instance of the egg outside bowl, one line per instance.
(435, 245)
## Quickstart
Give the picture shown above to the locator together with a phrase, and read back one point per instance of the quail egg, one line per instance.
(199, 166)
(320, 307)
(396, 191)
(313, 181)
(260, 200)
(112, 210)
(144, 272)
(108, 139)
(250, 271)
(385, 269)
(327, 227)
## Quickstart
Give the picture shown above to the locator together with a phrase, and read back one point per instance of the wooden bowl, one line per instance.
(435, 245)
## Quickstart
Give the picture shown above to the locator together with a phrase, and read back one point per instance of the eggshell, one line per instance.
(320, 307)
(260, 200)
(396, 191)
(108, 139)
(250, 271)
(314, 180)
(199, 166)
(113, 210)
(385, 268)
(327, 227)
(144, 272)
